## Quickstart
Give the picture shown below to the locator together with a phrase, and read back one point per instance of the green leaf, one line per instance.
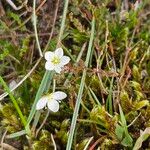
(14, 135)
(123, 119)
(127, 141)
(119, 132)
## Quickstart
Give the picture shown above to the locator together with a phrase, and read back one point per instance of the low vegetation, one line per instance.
(104, 82)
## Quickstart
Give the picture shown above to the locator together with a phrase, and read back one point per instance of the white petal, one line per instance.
(58, 69)
(53, 105)
(49, 55)
(41, 103)
(59, 52)
(49, 66)
(59, 95)
(64, 60)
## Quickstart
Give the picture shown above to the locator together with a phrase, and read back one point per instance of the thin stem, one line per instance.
(14, 6)
(53, 25)
(63, 22)
(54, 85)
(35, 28)
(88, 143)
(47, 77)
(38, 130)
(24, 78)
(55, 147)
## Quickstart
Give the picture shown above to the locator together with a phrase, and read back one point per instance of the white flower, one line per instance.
(52, 101)
(56, 60)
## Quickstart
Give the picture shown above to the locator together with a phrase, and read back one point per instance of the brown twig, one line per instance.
(38, 130)
(38, 8)
(2, 139)
(24, 35)
(94, 145)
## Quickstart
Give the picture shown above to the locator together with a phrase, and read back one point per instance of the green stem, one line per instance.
(63, 22)
(79, 97)
(35, 28)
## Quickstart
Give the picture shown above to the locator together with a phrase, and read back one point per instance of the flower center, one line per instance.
(55, 60)
(50, 97)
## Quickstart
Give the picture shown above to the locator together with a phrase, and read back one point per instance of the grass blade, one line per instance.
(14, 135)
(122, 117)
(109, 102)
(95, 97)
(63, 22)
(77, 106)
(35, 28)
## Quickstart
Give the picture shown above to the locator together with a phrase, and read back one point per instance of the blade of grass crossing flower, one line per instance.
(69, 54)
(23, 120)
(77, 106)
(47, 78)
(38, 113)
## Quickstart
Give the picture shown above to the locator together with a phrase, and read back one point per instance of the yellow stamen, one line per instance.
(56, 60)
(50, 97)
